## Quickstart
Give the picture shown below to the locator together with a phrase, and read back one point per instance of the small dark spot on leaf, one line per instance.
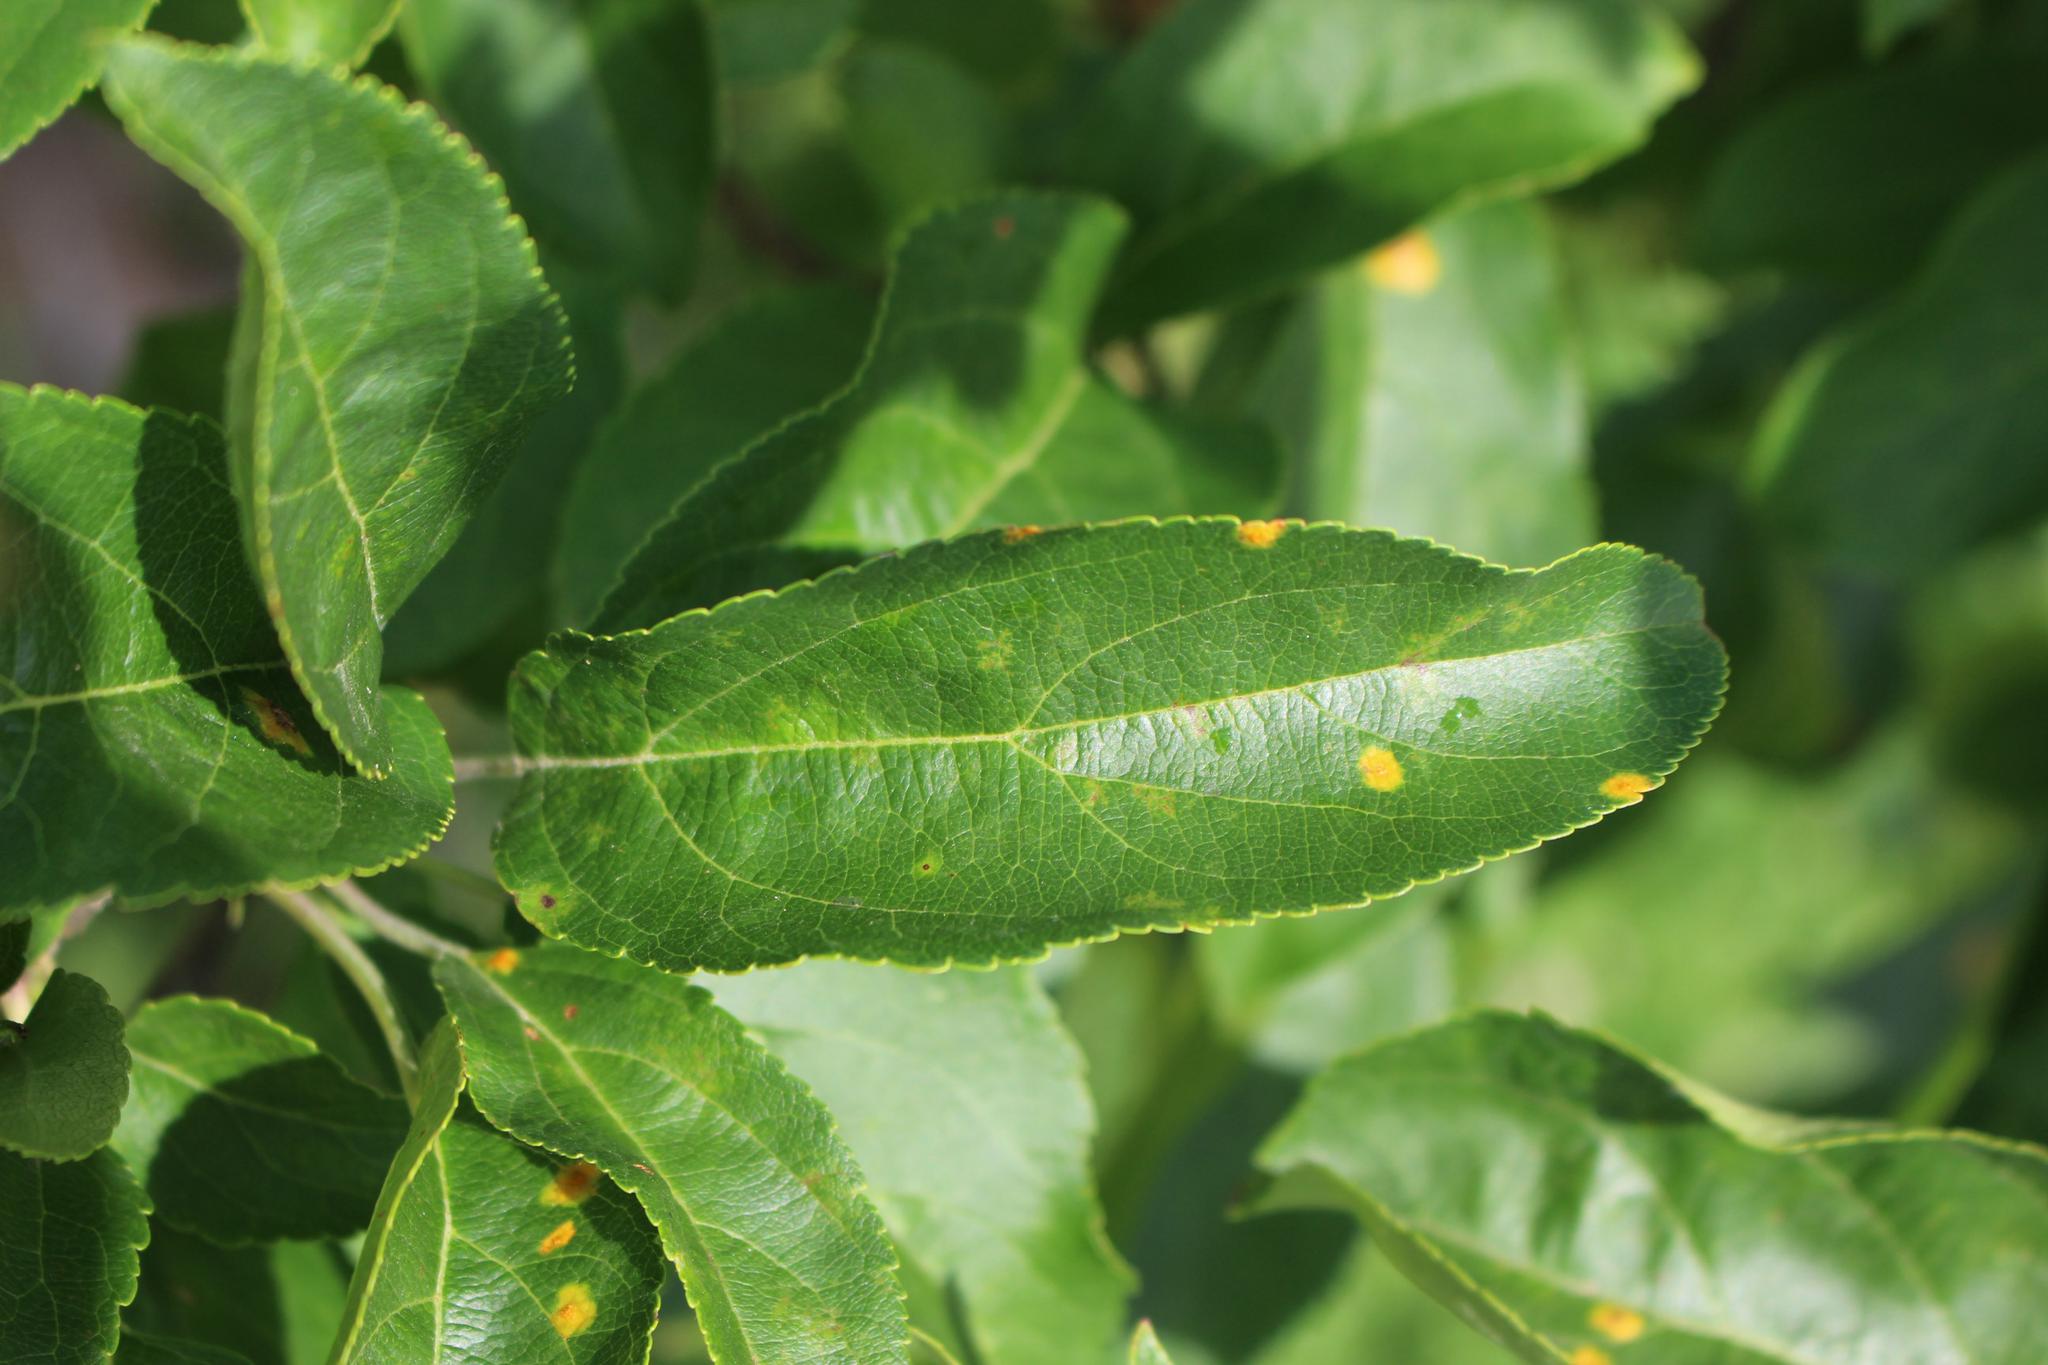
(547, 902)
(571, 1011)
(1005, 225)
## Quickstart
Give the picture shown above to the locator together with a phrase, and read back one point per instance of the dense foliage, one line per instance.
(589, 769)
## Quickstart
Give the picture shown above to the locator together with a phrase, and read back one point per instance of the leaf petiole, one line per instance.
(325, 929)
(396, 928)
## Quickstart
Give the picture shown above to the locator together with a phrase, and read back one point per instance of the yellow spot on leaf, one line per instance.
(275, 723)
(1407, 265)
(503, 961)
(1016, 535)
(1380, 769)
(1626, 787)
(571, 1185)
(564, 1233)
(574, 1310)
(1260, 535)
(1591, 1355)
(995, 654)
(1152, 900)
(1617, 1324)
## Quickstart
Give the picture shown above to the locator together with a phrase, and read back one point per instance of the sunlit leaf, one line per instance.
(69, 1234)
(63, 1073)
(50, 52)
(329, 31)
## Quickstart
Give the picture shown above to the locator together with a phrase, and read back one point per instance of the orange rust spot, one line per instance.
(532, 1034)
(1260, 535)
(1005, 225)
(571, 1011)
(503, 961)
(1016, 535)
(1616, 1323)
(1380, 769)
(275, 723)
(1626, 787)
(1591, 1355)
(571, 1185)
(574, 1311)
(1407, 265)
(564, 1233)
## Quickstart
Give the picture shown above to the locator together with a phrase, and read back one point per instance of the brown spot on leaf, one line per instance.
(547, 902)
(571, 1011)
(1017, 535)
(1005, 225)
(275, 723)
(532, 1034)
(571, 1185)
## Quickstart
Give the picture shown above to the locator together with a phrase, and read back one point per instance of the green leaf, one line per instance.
(180, 362)
(984, 747)
(220, 1094)
(50, 51)
(1433, 390)
(974, 409)
(141, 1348)
(275, 1305)
(1885, 22)
(64, 1076)
(1853, 179)
(756, 1199)
(1258, 141)
(775, 358)
(475, 1251)
(338, 32)
(1005, 41)
(770, 40)
(151, 738)
(599, 115)
(1145, 1347)
(1575, 1204)
(963, 1099)
(395, 338)
(69, 1234)
(1910, 436)
(15, 936)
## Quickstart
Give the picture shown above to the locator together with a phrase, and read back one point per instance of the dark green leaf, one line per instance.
(69, 1234)
(974, 409)
(1007, 41)
(1885, 22)
(773, 360)
(243, 1132)
(477, 1253)
(14, 942)
(1576, 1204)
(49, 53)
(181, 363)
(1919, 431)
(151, 739)
(986, 746)
(64, 1075)
(1258, 141)
(395, 338)
(768, 40)
(332, 32)
(756, 1199)
(275, 1305)
(142, 1348)
(963, 1099)
(598, 114)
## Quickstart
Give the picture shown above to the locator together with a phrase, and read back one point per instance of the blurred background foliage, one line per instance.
(1795, 342)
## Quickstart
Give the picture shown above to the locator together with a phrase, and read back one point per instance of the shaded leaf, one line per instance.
(974, 409)
(475, 1254)
(180, 362)
(769, 40)
(395, 337)
(1573, 1203)
(598, 114)
(151, 739)
(143, 1348)
(1885, 22)
(756, 1199)
(1258, 141)
(50, 51)
(769, 362)
(963, 1099)
(243, 1132)
(14, 944)
(64, 1075)
(327, 31)
(69, 1234)
(274, 1305)
(1911, 435)
(987, 746)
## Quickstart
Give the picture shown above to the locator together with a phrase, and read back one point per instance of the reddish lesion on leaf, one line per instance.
(571, 1185)
(275, 723)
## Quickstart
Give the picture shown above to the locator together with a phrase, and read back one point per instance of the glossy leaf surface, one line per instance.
(974, 408)
(482, 1250)
(335, 32)
(641, 1076)
(395, 338)
(983, 747)
(243, 1132)
(49, 54)
(69, 1234)
(984, 1182)
(1258, 141)
(64, 1075)
(1577, 1205)
(152, 741)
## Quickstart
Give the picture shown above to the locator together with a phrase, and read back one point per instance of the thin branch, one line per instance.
(324, 929)
(489, 768)
(454, 874)
(394, 927)
(19, 995)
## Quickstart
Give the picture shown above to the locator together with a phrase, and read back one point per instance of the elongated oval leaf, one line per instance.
(1577, 1205)
(396, 337)
(1910, 436)
(70, 1234)
(985, 1183)
(243, 1132)
(473, 1255)
(64, 1074)
(152, 741)
(974, 408)
(49, 54)
(983, 747)
(1257, 141)
(757, 1201)
(332, 31)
